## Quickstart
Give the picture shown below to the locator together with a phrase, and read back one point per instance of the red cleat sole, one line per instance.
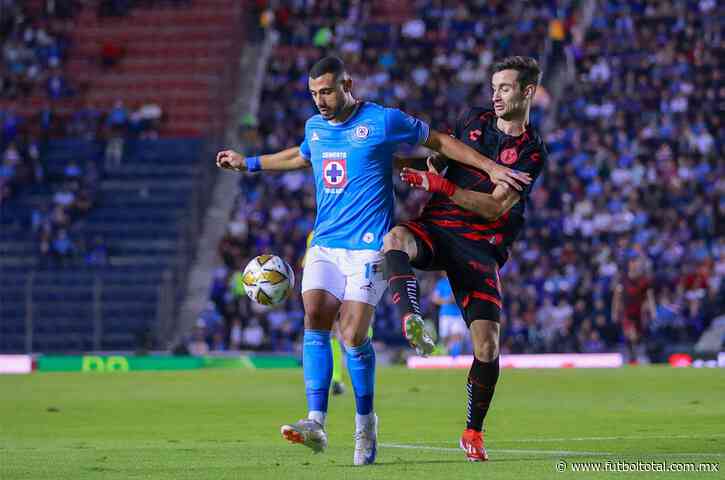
(473, 457)
(292, 436)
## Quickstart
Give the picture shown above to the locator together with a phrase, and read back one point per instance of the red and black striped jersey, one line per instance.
(477, 128)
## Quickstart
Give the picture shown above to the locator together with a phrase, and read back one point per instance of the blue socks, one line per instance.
(317, 366)
(361, 365)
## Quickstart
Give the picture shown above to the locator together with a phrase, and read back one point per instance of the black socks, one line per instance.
(482, 380)
(402, 282)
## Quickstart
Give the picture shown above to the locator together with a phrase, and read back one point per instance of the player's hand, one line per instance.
(430, 181)
(415, 178)
(504, 175)
(230, 160)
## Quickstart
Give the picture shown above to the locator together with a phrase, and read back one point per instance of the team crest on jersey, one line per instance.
(362, 131)
(315, 137)
(509, 156)
(334, 174)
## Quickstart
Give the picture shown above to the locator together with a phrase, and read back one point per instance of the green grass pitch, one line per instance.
(224, 424)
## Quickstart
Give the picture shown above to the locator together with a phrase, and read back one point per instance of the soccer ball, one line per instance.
(268, 280)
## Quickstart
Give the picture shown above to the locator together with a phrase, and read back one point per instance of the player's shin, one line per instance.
(402, 282)
(317, 366)
(481, 385)
(361, 365)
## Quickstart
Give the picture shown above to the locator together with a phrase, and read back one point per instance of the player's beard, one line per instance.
(329, 114)
(513, 110)
(339, 112)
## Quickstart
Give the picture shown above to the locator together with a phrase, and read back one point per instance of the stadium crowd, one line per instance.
(623, 249)
(33, 53)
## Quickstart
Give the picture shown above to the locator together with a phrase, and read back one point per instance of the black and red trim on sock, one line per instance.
(481, 385)
(402, 282)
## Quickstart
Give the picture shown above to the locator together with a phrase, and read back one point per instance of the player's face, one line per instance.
(509, 100)
(328, 94)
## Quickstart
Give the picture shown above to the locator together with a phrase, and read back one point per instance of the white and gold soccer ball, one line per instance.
(268, 280)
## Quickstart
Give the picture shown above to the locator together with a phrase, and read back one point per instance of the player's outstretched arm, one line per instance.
(460, 152)
(490, 206)
(289, 159)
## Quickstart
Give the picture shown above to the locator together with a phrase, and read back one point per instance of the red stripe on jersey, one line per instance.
(420, 233)
(475, 236)
(492, 239)
(450, 223)
(452, 212)
(500, 222)
(486, 297)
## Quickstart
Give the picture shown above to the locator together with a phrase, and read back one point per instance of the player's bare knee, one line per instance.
(353, 336)
(485, 336)
(398, 239)
(486, 350)
(317, 318)
(392, 240)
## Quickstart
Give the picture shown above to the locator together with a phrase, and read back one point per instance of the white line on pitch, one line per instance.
(624, 437)
(497, 450)
(557, 452)
(600, 439)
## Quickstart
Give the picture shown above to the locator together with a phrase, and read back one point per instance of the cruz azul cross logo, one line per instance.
(334, 171)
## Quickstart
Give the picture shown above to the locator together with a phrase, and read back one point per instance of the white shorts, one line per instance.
(449, 325)
(355, 275)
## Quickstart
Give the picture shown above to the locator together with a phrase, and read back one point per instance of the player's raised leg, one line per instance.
(355, 320)
(400, 248)
(481, 385)
(321, 308)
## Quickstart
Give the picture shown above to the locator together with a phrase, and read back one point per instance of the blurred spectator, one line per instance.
(97, 253)
(111, 54)
(253, 335)
(452, 329)
(62, 246)
(146, 120)
(635, 169)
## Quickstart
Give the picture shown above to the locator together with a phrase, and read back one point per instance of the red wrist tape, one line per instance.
(439, 184)
(436, 183)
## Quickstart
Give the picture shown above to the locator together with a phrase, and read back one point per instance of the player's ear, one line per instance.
(529, 92)
(346, 84)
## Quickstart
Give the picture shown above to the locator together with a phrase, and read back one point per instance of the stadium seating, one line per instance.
(141, 209)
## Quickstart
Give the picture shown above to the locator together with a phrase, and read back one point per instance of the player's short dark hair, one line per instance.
(331, 64)
(528, 68)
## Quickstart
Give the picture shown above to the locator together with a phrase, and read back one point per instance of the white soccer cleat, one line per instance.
(366, 443)
(416, 334)
(306, 432)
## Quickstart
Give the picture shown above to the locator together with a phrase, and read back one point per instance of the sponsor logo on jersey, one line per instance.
(315, 137)
(509, 156)
(334, 171)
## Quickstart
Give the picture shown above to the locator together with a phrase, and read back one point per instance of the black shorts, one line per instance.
(471, 268)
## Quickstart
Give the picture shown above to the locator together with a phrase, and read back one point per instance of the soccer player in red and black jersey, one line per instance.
(467, 229)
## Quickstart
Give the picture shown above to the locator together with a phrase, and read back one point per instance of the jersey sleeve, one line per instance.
(305, 145)
(531, 160)
(465, 117)
(403, 128)
(461, 122)
(305, 149)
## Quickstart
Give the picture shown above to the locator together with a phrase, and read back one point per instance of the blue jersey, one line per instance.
(444, 290)
(353, 168)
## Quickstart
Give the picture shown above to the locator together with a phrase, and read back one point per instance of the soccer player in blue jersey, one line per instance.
(350, 147)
